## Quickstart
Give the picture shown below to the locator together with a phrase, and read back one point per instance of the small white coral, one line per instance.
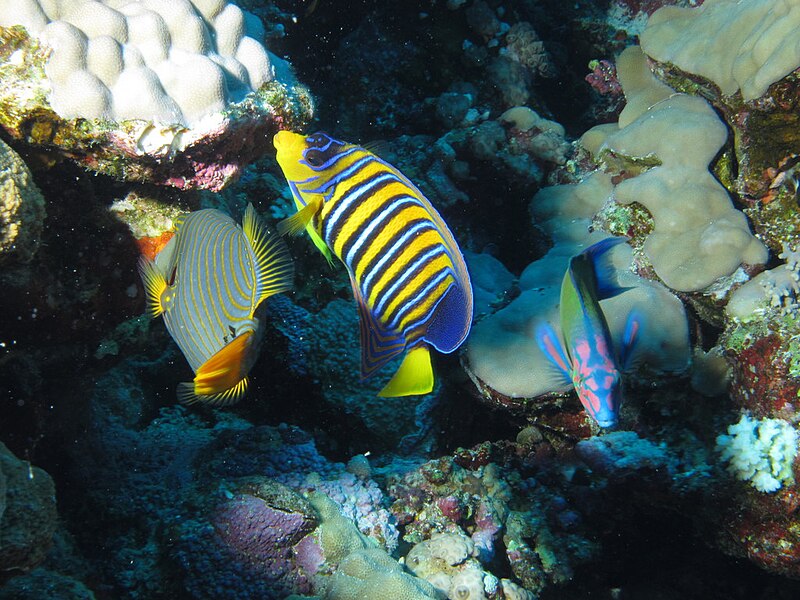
(760, 451)
(777, 289)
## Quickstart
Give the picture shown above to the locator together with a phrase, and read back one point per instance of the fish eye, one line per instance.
(314, 159)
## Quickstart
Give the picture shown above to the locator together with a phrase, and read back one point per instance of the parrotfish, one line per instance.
(208, 283)
(407, 273)
(584, 354)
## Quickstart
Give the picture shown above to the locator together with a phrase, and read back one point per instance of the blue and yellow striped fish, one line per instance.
(208, 282)
(407, 273)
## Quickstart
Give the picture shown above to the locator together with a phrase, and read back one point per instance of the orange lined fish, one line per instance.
(408, 276)
(207, 283)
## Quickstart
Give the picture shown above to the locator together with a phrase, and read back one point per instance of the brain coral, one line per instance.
(169, 62)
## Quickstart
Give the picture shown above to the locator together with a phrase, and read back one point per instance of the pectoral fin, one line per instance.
(629, 338)
(302, 219)
(549, 343)
(414, 377)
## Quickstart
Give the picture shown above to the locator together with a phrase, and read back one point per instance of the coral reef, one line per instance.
(496, 486)
(69, 83)
(761, 452)
(246, 535)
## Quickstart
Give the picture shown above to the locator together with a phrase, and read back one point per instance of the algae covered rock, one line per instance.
(21, 208)
(27, 514)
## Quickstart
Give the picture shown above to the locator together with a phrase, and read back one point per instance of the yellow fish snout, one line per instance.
(286, 141)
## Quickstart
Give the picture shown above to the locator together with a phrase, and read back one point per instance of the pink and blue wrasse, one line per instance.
(584, 354)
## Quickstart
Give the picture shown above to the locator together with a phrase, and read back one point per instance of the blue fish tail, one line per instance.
(598, 255)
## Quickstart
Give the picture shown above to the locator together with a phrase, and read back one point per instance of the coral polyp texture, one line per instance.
(171, 62)
(760, 451)
(698, 236)
(145, 90)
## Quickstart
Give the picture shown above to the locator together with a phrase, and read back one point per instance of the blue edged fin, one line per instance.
(302, 219)
(604, 271)
(413, 377)
(154, 286)
(378, 344)
(274, 269)
(550, 344)
(630, 336)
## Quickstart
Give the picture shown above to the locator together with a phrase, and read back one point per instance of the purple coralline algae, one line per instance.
(243, 542)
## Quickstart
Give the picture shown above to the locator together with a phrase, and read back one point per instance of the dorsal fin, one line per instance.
(274, 269)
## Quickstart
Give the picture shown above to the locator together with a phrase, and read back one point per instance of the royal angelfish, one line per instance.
(584, 355)
(207, 283)
(408, 276)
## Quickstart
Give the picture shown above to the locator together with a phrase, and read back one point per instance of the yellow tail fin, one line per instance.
(224, 370)
(413, 377)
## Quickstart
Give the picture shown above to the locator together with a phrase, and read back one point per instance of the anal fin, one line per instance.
(187, 395)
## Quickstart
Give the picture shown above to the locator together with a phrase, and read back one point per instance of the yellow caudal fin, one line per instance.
(154, 286)
(274, 268)
(415, 375)
(187, 395)
(302, 220)
(225, 370)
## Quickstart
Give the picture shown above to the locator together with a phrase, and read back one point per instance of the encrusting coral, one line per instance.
(173, 62)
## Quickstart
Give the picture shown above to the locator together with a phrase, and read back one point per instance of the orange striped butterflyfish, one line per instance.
(207, 284)
(584, 354)
(407, 273)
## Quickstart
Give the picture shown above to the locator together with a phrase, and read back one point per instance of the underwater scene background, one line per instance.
(571, 230)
